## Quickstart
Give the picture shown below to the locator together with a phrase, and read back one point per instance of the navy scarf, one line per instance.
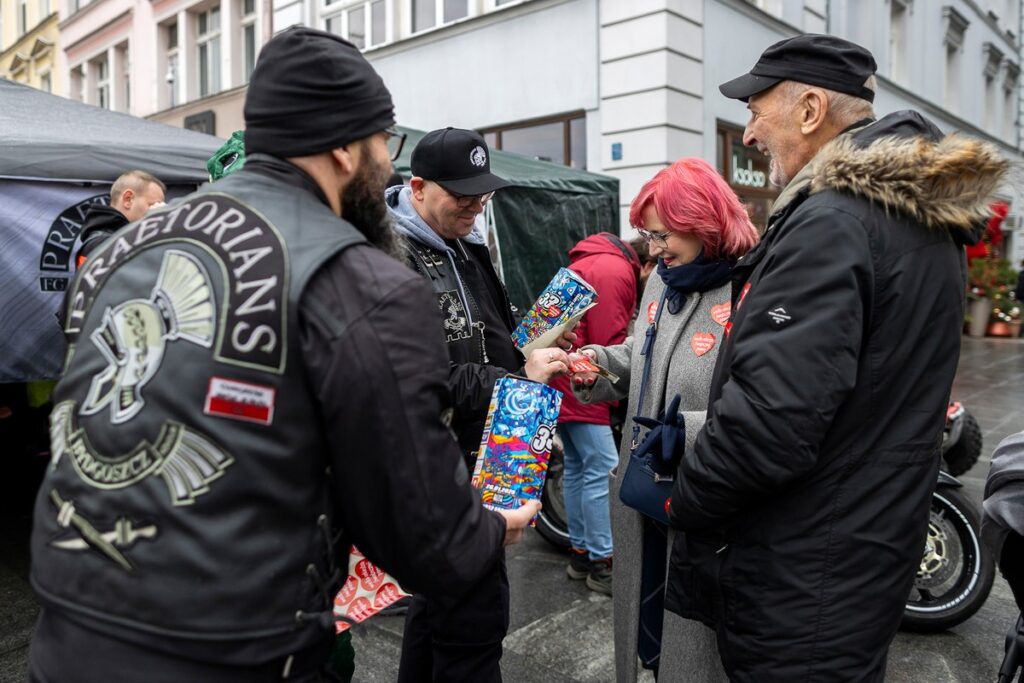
(699, 275)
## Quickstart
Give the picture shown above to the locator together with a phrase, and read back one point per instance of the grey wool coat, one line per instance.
(688, 649)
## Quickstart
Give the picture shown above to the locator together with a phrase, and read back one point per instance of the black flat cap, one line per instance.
(814, 59)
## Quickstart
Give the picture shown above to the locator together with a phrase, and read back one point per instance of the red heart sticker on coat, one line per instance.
(652, 312)
(702, 342)
(720, 313)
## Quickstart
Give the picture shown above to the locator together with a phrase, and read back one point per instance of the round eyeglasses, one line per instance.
(464, 201)
(656, 237)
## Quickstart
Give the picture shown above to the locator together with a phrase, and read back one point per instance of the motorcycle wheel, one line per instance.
(962, 455)
(551, 521)
(956, 571)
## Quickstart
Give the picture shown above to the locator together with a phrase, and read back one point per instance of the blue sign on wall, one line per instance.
(616, 151)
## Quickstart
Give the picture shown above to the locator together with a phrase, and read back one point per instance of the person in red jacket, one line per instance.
(611, 266)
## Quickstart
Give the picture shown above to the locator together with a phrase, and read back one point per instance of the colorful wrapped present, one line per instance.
(367, 590)
(559, 307)
(513, 458)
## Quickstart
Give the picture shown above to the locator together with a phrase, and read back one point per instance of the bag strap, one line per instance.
(617, 241)
(646, 352)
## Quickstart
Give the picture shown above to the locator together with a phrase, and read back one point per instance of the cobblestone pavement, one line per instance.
(561, 632)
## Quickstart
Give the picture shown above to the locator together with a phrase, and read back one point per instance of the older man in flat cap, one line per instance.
(253, 384)
(804, 500)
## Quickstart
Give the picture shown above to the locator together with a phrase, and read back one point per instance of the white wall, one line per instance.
(539, 63)
(739, 39)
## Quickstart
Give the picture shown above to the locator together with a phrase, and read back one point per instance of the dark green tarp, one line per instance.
(547, 210)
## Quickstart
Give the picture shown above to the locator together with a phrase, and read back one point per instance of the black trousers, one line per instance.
(65, 651)
(455, 639)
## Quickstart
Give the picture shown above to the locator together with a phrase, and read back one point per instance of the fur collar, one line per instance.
(945, 182)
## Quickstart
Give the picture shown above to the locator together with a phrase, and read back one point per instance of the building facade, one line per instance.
(622, 87)
(28, 43)
(172, 57)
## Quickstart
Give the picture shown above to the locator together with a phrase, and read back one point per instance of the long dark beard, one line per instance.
(363, 206)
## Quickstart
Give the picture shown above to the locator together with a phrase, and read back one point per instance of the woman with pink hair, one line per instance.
(697, 228)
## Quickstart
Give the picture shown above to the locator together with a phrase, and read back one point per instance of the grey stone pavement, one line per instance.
(561, 632)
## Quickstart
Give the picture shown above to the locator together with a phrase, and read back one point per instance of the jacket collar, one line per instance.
(802, 180)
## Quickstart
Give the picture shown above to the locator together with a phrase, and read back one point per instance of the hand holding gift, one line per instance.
(585, 369)
(517, 520)
(545, 364)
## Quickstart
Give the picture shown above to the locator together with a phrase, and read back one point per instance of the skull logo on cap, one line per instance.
(478, 157)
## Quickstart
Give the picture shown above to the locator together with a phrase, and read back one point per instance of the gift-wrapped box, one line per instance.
(559, 307)
(513, 458)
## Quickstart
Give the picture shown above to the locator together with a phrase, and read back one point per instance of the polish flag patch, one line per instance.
(720, 313)
(702, 342)
(240, 401)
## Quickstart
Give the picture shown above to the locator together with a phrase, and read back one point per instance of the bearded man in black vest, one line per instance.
(252, 385)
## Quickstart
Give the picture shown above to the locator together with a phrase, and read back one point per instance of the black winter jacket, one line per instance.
(805, 498)
(476, 311)
(101, 222)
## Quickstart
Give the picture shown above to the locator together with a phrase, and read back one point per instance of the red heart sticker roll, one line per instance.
(652, 312)
(347, 592)
(370, 576)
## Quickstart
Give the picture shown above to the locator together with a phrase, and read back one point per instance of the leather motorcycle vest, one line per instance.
(187, 495)
(460, 315)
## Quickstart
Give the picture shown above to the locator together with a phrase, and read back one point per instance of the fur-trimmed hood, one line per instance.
(903, 162)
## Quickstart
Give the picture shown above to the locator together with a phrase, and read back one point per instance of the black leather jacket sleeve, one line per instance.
(471, 385)
(372, 349)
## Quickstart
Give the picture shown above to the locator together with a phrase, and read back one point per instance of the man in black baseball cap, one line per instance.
(815, 468)
(458, 637)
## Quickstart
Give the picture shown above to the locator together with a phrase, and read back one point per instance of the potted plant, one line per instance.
(981, 281)
(1005, 318)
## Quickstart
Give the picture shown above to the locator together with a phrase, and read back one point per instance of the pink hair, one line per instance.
(691, 197)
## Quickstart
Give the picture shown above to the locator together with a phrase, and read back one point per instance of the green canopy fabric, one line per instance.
(547, 210)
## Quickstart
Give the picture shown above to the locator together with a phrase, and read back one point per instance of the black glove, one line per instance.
(666, 441)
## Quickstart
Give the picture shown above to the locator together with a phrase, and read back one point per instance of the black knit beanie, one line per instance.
(310, 92)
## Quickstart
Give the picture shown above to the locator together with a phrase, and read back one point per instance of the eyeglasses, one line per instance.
(465, 201)
(656, 237)
(396, 140)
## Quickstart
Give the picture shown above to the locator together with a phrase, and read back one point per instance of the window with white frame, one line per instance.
(430, 13)
(993, 59)
(126, 78)
(45, 82)
(955, 25)
(364, 24)
(77, 89)
(173, 75)
(1011, 83)
(208, 51)
(102, 68)
(248, 38)
(44, 9)
(22, 17)
(898, 12)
